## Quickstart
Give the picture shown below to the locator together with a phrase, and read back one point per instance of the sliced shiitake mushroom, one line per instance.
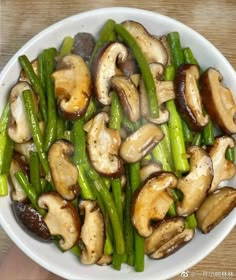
(104, 67)
(92, 233)
(152, 201)
(148, 169)
(72, 86)
(164, 92)
(188, 99)
(195, 185)
(223, 169)
(140, 143)
(128, 95)
(129, 67)
(64, 172)
(168, 236)
(19, 128)
(153, 49)
(31, 219)
(84, 44)
(218, 100)
(215, 208)
(25, 148)
(103, 146)
(62, 218)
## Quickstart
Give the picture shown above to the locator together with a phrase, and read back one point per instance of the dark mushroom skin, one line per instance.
(128, 95)
(84, 44)
(129, 67)
(215, 208)
(64, 173)
(188, 99)
(218, 100)
(173, 244)
(31, 219)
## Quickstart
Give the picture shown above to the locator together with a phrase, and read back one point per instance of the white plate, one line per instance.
(66, 265)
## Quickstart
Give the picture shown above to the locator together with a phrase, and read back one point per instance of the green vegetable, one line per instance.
(36, 85)
(51, 125)
(189, 57)
(35, 130)
(134, 181)
(144, 69)
(176, 50)
(190, 221)
(85, 189)
(66, 46)
(197, 139)
(176, 130)
(29, 190)
(188, 135)
(34, 167)
(106, 35)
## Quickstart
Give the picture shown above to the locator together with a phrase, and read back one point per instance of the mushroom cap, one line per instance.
(62, 218)
(140, 143)
(196, 184)
(92, 233)
(104, 67)
(19, 129)
(223, 169)
(188, 100)
(64, 172)
(215, 208)
(164, 92)
(103, 146)
(164, 231)
(128, 95)
(218, 100)
(72, 86)
(148, 169)
(153, 49)
(152, 201)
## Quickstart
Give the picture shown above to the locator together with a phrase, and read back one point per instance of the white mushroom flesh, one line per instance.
(62, 219)
(92, 233)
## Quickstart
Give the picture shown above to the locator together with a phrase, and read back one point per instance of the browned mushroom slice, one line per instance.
(148, 169)
(218, 100)
(72, 86)
(163, 231)
(188, 99)
(223, 168)
(104, 67)
(196, 184)
(32, 220)
(19, 129)
(168, 236)
(84, 44)
(25, 148)
(173, 244)
(105, 260)
(103, 146)
(64, 172)
(140, 143)
(153, 49)
(152, 201)
(92, 233)
(129, 67)
(215, 208)
(62, 219)
(128, 96)
(164, 92)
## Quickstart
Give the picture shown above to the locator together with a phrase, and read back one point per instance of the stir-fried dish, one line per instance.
(119, 146)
